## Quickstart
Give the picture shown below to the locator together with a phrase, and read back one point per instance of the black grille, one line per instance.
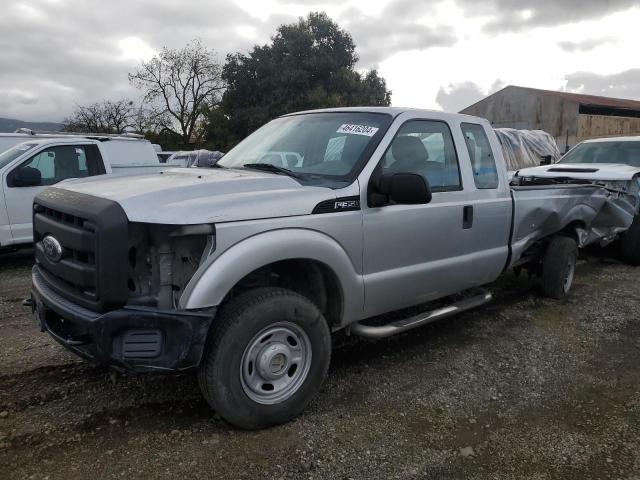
(93, 233)
(76, 270)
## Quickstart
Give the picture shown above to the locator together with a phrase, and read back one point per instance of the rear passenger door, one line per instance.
(491, 209)
(415, 253)
(52, 164)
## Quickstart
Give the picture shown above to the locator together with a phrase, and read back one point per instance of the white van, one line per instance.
(8, 140)
(29, 167)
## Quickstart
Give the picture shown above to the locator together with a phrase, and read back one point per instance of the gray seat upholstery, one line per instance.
(410, 155)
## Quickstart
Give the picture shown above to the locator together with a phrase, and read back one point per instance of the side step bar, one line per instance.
(399, 326)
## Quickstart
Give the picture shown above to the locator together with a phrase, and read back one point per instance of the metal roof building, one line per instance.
(569, 117)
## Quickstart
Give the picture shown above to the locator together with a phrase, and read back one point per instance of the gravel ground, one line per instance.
(522, 388)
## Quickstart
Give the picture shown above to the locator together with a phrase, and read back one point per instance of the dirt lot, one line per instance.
(522, 388)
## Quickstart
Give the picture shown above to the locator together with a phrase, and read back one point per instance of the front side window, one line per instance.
(327, 147)
(425, 147)
(55, 164)
(625, 153)
(483, 164)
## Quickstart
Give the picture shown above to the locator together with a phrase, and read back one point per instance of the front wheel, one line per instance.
(558, 267)
(266, 358)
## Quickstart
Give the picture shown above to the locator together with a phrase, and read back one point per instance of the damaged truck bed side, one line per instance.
(243, 271)
(608, 210)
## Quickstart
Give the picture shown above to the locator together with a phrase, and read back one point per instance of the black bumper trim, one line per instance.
(100, 338)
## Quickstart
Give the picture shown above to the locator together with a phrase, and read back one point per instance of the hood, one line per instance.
(184, 196)
(582, 171)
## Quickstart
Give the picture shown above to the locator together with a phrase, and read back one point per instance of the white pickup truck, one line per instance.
(28, 168)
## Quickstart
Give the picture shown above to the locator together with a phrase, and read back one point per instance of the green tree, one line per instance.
(308, 64)
(218, 135)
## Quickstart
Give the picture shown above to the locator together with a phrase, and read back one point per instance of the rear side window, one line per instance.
(485, 173)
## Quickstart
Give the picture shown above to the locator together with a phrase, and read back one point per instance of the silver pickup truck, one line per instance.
(243, 271)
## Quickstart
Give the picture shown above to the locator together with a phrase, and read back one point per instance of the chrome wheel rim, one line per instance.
(569, 273)
(275, 363)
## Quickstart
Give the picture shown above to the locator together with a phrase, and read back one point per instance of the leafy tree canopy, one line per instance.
(308, 64)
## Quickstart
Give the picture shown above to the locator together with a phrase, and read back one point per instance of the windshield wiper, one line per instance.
(268, 167)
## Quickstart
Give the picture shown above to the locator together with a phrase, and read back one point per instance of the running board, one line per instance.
(399, 326)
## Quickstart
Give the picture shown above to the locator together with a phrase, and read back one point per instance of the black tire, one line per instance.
(558, 267)
(630, 244)
(236, 327)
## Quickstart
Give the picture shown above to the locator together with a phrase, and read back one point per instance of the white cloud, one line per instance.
(29, 12)
(56, 53)
(247, 31)
(133, 48)
(529, 58)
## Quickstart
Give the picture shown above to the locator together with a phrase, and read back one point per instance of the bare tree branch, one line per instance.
(102, 117)
(182, 82)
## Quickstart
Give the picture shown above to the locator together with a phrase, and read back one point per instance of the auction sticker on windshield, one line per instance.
(357, 130)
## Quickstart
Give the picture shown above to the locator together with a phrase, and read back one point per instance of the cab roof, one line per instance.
(393, 111)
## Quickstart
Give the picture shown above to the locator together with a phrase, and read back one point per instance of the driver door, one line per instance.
(54, 164)
(416, 253)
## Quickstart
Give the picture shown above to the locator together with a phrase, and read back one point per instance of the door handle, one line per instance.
(467, 217)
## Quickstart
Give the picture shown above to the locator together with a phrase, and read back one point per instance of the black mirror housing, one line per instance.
(545, 160)
(27, 177)
(404, 188)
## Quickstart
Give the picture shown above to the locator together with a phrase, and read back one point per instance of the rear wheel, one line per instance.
(266, 358)
(630, 243)
(558, 267)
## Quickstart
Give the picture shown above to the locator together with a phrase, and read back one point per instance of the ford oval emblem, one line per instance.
(52, 248)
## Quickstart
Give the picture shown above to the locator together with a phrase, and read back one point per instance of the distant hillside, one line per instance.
(8, 125)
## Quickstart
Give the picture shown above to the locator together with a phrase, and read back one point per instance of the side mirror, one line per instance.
(546, 160)
(402, 188)
(27, 177)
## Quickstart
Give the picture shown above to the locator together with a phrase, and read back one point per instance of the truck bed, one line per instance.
(596, 213)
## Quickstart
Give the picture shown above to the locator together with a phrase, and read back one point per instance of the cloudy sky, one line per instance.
(440, 54)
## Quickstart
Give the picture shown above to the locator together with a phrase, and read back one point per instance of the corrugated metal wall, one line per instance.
(597, 126)
(515, 107)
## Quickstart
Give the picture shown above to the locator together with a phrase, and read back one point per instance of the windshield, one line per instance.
(14, 152)
(316, 145)
(627, 153)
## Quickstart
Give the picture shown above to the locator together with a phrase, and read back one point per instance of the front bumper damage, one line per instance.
(139, 339)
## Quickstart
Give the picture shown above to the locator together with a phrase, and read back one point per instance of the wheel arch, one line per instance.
(292, 252)
(575, 229)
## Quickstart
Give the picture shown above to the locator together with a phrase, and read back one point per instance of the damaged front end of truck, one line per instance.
(113, 290)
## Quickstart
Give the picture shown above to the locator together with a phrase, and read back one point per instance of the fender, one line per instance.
(215, 278)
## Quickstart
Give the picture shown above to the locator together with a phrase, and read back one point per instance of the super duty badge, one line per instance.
(344, 204)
